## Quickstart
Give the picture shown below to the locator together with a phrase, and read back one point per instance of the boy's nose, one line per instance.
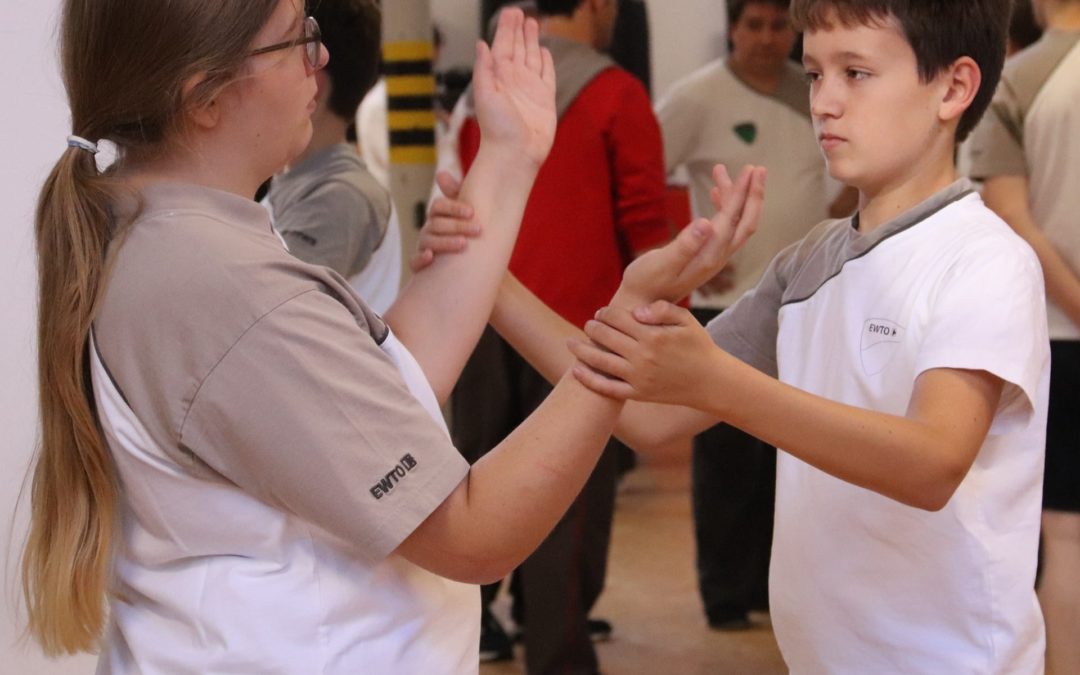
(824, 101)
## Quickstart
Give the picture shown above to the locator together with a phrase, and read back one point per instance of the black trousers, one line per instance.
(733, 489)
(557, 586)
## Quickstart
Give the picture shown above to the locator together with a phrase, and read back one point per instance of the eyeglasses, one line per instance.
(311, 38)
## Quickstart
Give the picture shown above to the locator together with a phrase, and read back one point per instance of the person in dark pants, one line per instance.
(562, 580)
(733, 488)
(597, 203)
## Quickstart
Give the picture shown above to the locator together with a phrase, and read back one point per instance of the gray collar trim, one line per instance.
(857, 245)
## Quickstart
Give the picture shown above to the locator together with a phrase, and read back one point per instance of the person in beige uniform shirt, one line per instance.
(1027, 150)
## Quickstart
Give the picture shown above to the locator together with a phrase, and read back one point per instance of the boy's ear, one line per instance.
(961, 81)
(206, 113)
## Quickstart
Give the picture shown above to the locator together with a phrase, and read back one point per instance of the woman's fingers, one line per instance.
(548, 72)
(533, 59)
(506, 34)
(518, 35)
(483, 70)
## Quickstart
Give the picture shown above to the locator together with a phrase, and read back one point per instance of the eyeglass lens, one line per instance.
(313, 36)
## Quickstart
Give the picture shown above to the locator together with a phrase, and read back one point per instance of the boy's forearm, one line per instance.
(901, 457)
(440, 314)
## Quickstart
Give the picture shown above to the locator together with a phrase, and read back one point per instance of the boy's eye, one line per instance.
(854, 74)
(811, 76)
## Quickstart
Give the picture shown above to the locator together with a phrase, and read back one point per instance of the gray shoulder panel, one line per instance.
(576, 65)
(822, 255)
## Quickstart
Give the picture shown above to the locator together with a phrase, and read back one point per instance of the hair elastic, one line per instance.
(83, 144)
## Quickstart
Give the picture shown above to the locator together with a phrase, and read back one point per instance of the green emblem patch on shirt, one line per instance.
(747, 131)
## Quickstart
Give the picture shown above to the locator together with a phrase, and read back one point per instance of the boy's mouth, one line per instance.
(830, 141)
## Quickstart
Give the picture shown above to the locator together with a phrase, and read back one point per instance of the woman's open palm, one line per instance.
(514, 86)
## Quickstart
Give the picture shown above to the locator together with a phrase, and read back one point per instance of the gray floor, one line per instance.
(651, 596)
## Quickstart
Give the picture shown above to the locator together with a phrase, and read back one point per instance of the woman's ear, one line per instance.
(962, 80)
(202, 113)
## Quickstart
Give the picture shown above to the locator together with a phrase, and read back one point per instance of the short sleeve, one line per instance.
(996, 145)
(989, 313)
(748, 329)
(307, 413)
(334, 226)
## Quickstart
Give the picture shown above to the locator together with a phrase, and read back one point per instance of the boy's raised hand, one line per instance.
(702, 248)
(514, 87)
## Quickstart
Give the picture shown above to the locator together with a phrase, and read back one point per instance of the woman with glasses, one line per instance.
(242, 468)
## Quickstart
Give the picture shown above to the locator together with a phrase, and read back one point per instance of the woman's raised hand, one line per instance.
(514, 88)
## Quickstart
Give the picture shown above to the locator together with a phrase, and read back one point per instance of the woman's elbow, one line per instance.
(474, 569)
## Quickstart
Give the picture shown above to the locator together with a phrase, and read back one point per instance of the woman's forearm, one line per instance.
(440, 314)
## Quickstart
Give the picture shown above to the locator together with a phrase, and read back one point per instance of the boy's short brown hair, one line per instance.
(939, 32)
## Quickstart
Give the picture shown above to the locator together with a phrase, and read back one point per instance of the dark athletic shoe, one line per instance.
(734, 622)
(599, 631)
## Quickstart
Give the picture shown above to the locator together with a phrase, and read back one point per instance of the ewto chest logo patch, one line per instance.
(747, 132)
(880, 340)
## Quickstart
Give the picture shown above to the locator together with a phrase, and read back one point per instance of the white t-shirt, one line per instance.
(860, 583)
(373, 133)
(712, 117)
(380, 280)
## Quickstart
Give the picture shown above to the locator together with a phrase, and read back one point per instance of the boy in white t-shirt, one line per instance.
(911, 352)
(898, 358)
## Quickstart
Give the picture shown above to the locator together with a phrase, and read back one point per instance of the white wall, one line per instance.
(685, 34)
(459, 20)
(33, 126)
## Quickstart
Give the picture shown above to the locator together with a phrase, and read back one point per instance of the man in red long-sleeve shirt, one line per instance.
(598, 201)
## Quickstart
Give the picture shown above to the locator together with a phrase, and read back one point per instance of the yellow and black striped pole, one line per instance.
(408, 53)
